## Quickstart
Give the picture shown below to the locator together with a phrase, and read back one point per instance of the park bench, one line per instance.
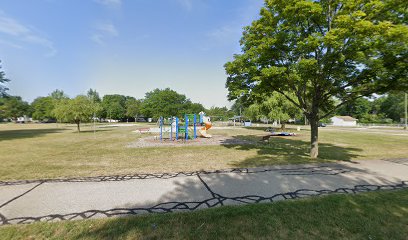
(143, 130)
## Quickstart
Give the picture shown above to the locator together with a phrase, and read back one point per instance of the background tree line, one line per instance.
(57, 106)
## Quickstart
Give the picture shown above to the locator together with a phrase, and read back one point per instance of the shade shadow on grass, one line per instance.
(96, 130)
(27, 133)
(333, 216)
(338, 216)
(287, 150)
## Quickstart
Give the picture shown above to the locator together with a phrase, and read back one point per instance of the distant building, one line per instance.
(24, 119)
(344, 121)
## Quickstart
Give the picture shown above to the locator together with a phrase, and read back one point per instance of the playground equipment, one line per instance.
(172, 127)
(207, 125)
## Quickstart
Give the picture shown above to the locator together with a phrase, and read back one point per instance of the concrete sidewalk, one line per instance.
(82, 198)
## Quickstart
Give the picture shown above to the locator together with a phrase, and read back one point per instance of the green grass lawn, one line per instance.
(375, 215)
(36, 151)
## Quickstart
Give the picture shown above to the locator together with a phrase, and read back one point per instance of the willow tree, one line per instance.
(274, 107)
(326, 53)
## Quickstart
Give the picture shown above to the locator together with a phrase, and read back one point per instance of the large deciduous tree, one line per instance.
(393, 106)
(114, 106)
(164, 102)
(76, 110)
(14, 107)
(358, 108)
(327, 53)
(133, 107)
(43, 108)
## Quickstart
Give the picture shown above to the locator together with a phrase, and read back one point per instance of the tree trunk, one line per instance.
(78, 122)
(283, 126)
(314, 138)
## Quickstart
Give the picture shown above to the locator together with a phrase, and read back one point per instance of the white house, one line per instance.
(344, 121)
(24, 119)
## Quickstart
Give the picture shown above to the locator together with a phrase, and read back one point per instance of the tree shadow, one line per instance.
(96, 130)
(27, 133)
(288, 127)
(286, 150)
(232, 188)
(190, 191)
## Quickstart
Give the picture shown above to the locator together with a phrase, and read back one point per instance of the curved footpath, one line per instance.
(106, 196)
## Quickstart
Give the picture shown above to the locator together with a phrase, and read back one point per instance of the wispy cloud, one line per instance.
(110, 3)
(104, 31)
(186, 4)
(21, 33)
(10, 44)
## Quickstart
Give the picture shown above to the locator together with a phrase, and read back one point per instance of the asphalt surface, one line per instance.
(107, 196)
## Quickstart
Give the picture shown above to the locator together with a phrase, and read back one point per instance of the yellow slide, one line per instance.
(203, 131)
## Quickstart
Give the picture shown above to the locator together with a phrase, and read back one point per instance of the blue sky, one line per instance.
(122, 46)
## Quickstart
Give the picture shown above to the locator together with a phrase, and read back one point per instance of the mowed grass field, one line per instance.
(375, 215)
(37, 151)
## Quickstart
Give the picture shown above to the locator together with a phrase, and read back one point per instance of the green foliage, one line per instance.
(386, 109)
(14, 107)
(238, 107)
(164, 102)
(133, 107)
(43, 108)
(322, 51)
(114, 106)
(219, 113)
(273, 107)
(93, 95)
(357, 109)
(3, 80)
(393, 106)
(76, 110)
(58, 95)
(191, 107)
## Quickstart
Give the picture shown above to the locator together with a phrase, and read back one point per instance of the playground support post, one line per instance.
(171, 129)
(186, 126)
(195, 126)
(161, 128)
(177, 127)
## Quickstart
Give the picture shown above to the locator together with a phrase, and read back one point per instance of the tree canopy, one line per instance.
(133, 107)
(326, 53)
(93, 95)
(275, 107)
(43, 108)
(76, 110)
(14, 107)
(114, 106)
(58, 95)
(165, 102)
(392, 106)
(3, 80)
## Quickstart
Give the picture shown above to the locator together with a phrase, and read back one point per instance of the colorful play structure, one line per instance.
(176, 129)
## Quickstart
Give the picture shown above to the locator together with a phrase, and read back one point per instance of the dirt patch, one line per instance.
(153, 141)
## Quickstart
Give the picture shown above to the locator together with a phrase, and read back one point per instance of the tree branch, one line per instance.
(339, 105)
(292, 101)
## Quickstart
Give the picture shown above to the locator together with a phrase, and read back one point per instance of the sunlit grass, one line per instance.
(49, 151)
